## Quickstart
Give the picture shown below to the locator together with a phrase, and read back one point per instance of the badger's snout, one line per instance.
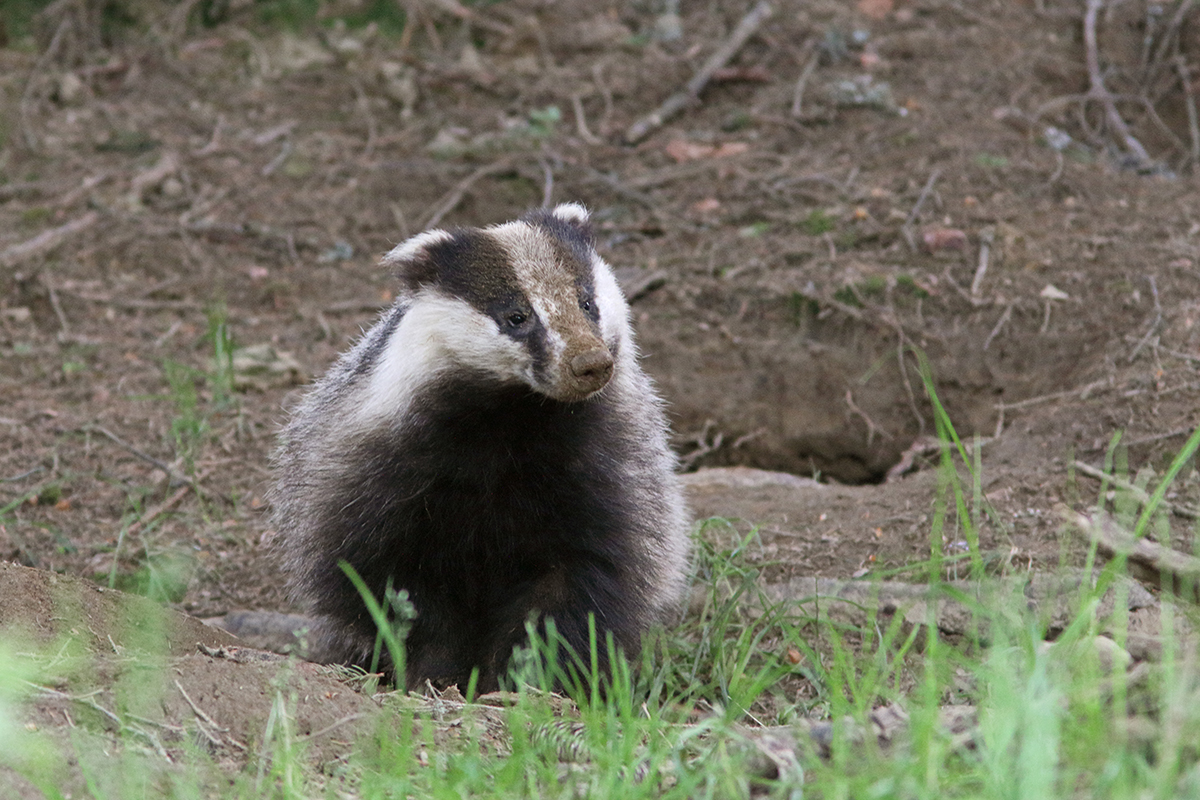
(591, 369)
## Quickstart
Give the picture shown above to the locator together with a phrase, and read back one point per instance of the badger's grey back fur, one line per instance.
(492, 447)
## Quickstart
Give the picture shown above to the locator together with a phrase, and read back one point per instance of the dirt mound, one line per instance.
(122, 672)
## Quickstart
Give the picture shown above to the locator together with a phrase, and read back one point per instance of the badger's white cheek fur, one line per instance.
(614, 311)
(436, 335)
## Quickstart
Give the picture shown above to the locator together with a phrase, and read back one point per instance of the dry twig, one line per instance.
(39, 70)
(872, 427)
(986, 236)
(1185, 81)
(1000, 323)
(680, 100)
(175, 475)
(1137, 492)
(1098, 91)
(455, 196)
(1148, 561)
(1154, 324)
(906, 228)
(581, 125)
(814, 58)
(207, 725)
(46, 240)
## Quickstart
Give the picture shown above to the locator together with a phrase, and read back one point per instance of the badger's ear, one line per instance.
(567, 221)
(414, 261)
(573, 214)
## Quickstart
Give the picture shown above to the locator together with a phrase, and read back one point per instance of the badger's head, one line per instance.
(524, 302)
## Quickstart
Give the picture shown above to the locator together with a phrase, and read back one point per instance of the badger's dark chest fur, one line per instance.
(493, 477)
(478, 509)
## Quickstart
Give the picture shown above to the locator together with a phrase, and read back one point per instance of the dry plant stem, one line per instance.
(364, 105)
(922, 445)
(167, 505)
(46, 240)
(1000, 323)
(207, 722)
(985, 250)
(798, 92)
(680, 100)
(1154, 325)
(22, 475)
(1083, 392)
(1098, 90)
(64, 328)
(86, 185)
(121, 725)
(1140, 494)
(581, 121)
(330, 727)
(1168, 40)
(457, 9)
(1148, 561)
(455, 196)
(872, 428)
(1193, 118)
(1158, 437)
(906, 228)
(39, 69)
(134, 303)
(606, 94)
(175, 475)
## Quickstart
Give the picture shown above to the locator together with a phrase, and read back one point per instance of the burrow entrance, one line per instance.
(776, 381)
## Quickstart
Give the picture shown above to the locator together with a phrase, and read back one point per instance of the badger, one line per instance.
(492, 448)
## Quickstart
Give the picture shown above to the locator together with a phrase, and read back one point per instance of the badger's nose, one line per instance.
(593, 368)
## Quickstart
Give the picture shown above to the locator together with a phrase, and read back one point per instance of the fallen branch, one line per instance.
(1142, 496)
(167, 505)
(1084, 392)
(680, 100)
(1098, 91)
(1148, 561)
(455, 196)
(175, 475)
(956, 608)
(473, 17)
(207, 725)
(46, 240)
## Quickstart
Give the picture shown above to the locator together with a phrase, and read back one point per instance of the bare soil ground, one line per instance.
(858, 180)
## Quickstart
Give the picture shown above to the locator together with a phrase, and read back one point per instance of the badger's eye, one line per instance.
(516, 319)
(586, 305)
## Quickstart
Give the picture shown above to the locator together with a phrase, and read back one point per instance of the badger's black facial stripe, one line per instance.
(475, 267)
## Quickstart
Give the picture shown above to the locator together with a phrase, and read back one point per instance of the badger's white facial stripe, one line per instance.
(408, 249)
(614, 311)
(437, 334)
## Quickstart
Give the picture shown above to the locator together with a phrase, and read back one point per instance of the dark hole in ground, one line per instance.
(764, 381)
